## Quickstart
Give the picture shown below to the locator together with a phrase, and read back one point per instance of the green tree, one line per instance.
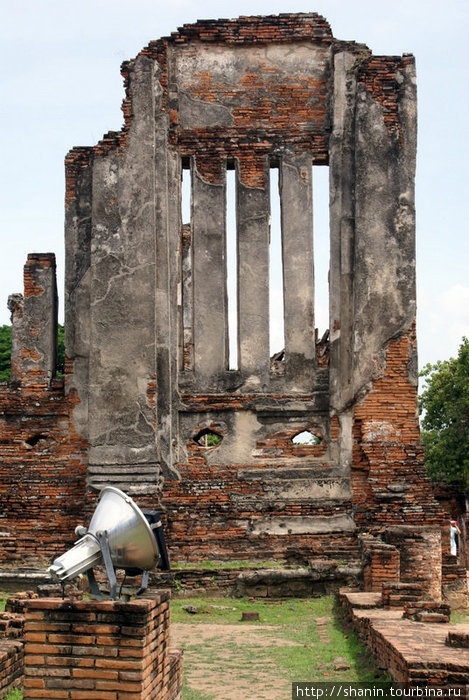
(5, 353)
(60, 350)
(444, 405)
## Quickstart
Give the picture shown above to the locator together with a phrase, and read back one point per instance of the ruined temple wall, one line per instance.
(372, 288)
(146, 302)
(112, 303)
(234, 93)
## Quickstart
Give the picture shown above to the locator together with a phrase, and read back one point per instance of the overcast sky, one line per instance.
(61, 87)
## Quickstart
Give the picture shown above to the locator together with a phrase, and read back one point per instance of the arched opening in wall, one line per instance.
(232, 266)
(208, 438)
(276, 291)
(321, 247)
(306, 437)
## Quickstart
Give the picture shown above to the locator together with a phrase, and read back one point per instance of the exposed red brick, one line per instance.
(387, 448)
(42, 472)
(380, 74)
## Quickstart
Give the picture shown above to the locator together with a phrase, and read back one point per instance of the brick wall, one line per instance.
(42, 472)
(211, 513)
(420, 556)
(388, 475)
(100, 650)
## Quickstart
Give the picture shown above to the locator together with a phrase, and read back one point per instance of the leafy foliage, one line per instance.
(444, 404)
(5, 353)
(60, 350)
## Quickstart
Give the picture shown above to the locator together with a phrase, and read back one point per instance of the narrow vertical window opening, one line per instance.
(321, 247)
(276, 295)
(185, 295)
(185, 194)
(231, 268)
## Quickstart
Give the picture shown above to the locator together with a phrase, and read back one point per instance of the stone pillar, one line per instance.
(34, 323)
(124, 291)
(100, 649)
(209, 281)
(253, 223)
(341, 179)
(383, 255)
(298, 281)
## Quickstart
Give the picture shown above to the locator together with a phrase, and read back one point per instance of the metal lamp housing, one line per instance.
(130, 539)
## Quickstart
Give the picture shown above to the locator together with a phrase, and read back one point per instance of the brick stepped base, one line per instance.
(364, 600)
(454, 579)
(413, 653)
(427, 611)
(11, 625)
(397, 595)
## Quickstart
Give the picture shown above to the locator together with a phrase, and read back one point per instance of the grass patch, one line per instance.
(15, 694)
(195, 695)
(215, 610)
(459, 616)
(299, 640)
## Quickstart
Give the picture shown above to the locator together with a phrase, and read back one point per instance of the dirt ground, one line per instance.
(235, 663)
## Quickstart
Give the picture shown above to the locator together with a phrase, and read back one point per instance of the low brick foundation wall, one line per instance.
(11, 664)
(100, 650)
(454, 580)
(321, 577)
(413, 653)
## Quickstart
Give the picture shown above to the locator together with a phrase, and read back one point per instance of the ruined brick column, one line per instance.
(420, 556)
(34, 323)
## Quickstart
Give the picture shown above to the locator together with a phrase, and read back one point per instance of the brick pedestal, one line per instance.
(106, 650)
